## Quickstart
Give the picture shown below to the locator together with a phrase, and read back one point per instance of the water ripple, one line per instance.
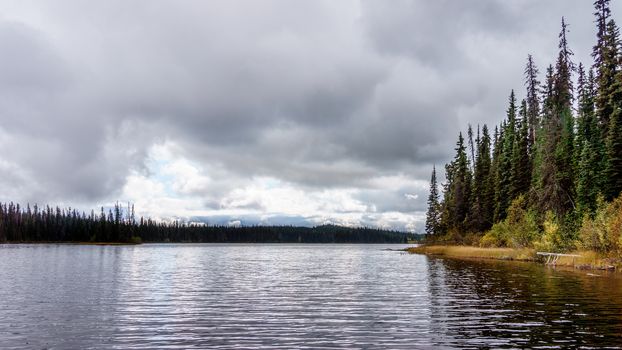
(293, 296)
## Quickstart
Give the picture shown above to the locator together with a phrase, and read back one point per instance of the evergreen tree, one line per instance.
(584, 109)
(533, 101)
(483, 192)
(504, 170)
(556, 183)
(471, 146)
(589, 147)
(521, 163)
(496, 170)
(563, 94)
(433, 216)
(548, 188)
(613, 165)
(605, 54)
(564, 67)
(458, 189)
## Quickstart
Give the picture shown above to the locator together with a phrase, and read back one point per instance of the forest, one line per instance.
(550, 175)
(118, 224)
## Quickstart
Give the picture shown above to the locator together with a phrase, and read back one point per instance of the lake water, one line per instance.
(293, 296)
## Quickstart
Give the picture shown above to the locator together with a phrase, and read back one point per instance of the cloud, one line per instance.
(262, 112)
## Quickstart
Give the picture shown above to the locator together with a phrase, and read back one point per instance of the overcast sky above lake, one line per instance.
(274, 112)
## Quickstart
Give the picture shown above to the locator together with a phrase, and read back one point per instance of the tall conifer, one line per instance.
(483, 192)
(533, 102)
(504, 170)
(521, 163)
(458, 190)
(433, 216)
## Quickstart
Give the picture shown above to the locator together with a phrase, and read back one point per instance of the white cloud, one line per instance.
(411, 196)
(174, 187)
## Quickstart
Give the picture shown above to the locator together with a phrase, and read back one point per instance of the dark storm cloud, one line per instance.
(432, 31)
(321, 94)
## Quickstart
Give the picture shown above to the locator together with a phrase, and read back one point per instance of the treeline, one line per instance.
(551, 167)
(34, 224)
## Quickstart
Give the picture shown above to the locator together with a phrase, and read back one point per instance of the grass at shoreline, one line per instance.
(455, 251)
(589, 260)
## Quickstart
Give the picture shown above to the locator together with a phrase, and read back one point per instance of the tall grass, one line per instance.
(524, 254)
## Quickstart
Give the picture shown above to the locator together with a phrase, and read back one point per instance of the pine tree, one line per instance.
(504, 171)
(556, 183)
(584, 109)
(483, 192)
(546, 180)
(533, 101)
(613, 165)
(458, 189)
(605, 54)
(496, 170)
(471, 146)
(521, 163)
(563, 72)
(563, 94)
(589, 147)
(433, 216)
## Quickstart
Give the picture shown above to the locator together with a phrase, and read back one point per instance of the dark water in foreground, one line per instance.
(293, 296)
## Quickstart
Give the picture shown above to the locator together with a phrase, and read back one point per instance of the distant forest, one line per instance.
(550, 175)
(119, 224)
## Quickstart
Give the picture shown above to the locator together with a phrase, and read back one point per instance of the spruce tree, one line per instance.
(504, 171)
(557, 171)
(433, 216)
(548, 189)
(483, 192)
(533, 102)
(521, 162)
(613, 149)
(605, 54)
(583, 102)
(496, 170)
(564, 98)
(589, 147)
(458, 190)
(471, 146)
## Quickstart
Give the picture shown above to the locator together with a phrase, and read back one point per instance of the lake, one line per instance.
(293, 296)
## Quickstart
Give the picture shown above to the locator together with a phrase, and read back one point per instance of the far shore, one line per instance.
(588, 260)
(190, 242)
(70, 243)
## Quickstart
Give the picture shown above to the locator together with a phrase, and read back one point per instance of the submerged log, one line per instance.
(551, 258)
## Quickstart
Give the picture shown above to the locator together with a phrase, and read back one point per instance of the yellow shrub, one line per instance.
(603, 233)
(551, 240)
(518, 230)
(496, 236)
(614, 227)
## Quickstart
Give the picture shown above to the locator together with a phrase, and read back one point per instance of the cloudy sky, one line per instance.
(273, 112)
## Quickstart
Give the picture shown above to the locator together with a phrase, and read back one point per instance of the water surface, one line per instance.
(293, 296)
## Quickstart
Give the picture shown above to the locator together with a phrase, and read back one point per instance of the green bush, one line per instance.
(551, 239)
(518, 230)
(496, 236)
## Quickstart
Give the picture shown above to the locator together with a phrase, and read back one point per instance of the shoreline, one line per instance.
(588, 260)
(142, 243)
(69, 243)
